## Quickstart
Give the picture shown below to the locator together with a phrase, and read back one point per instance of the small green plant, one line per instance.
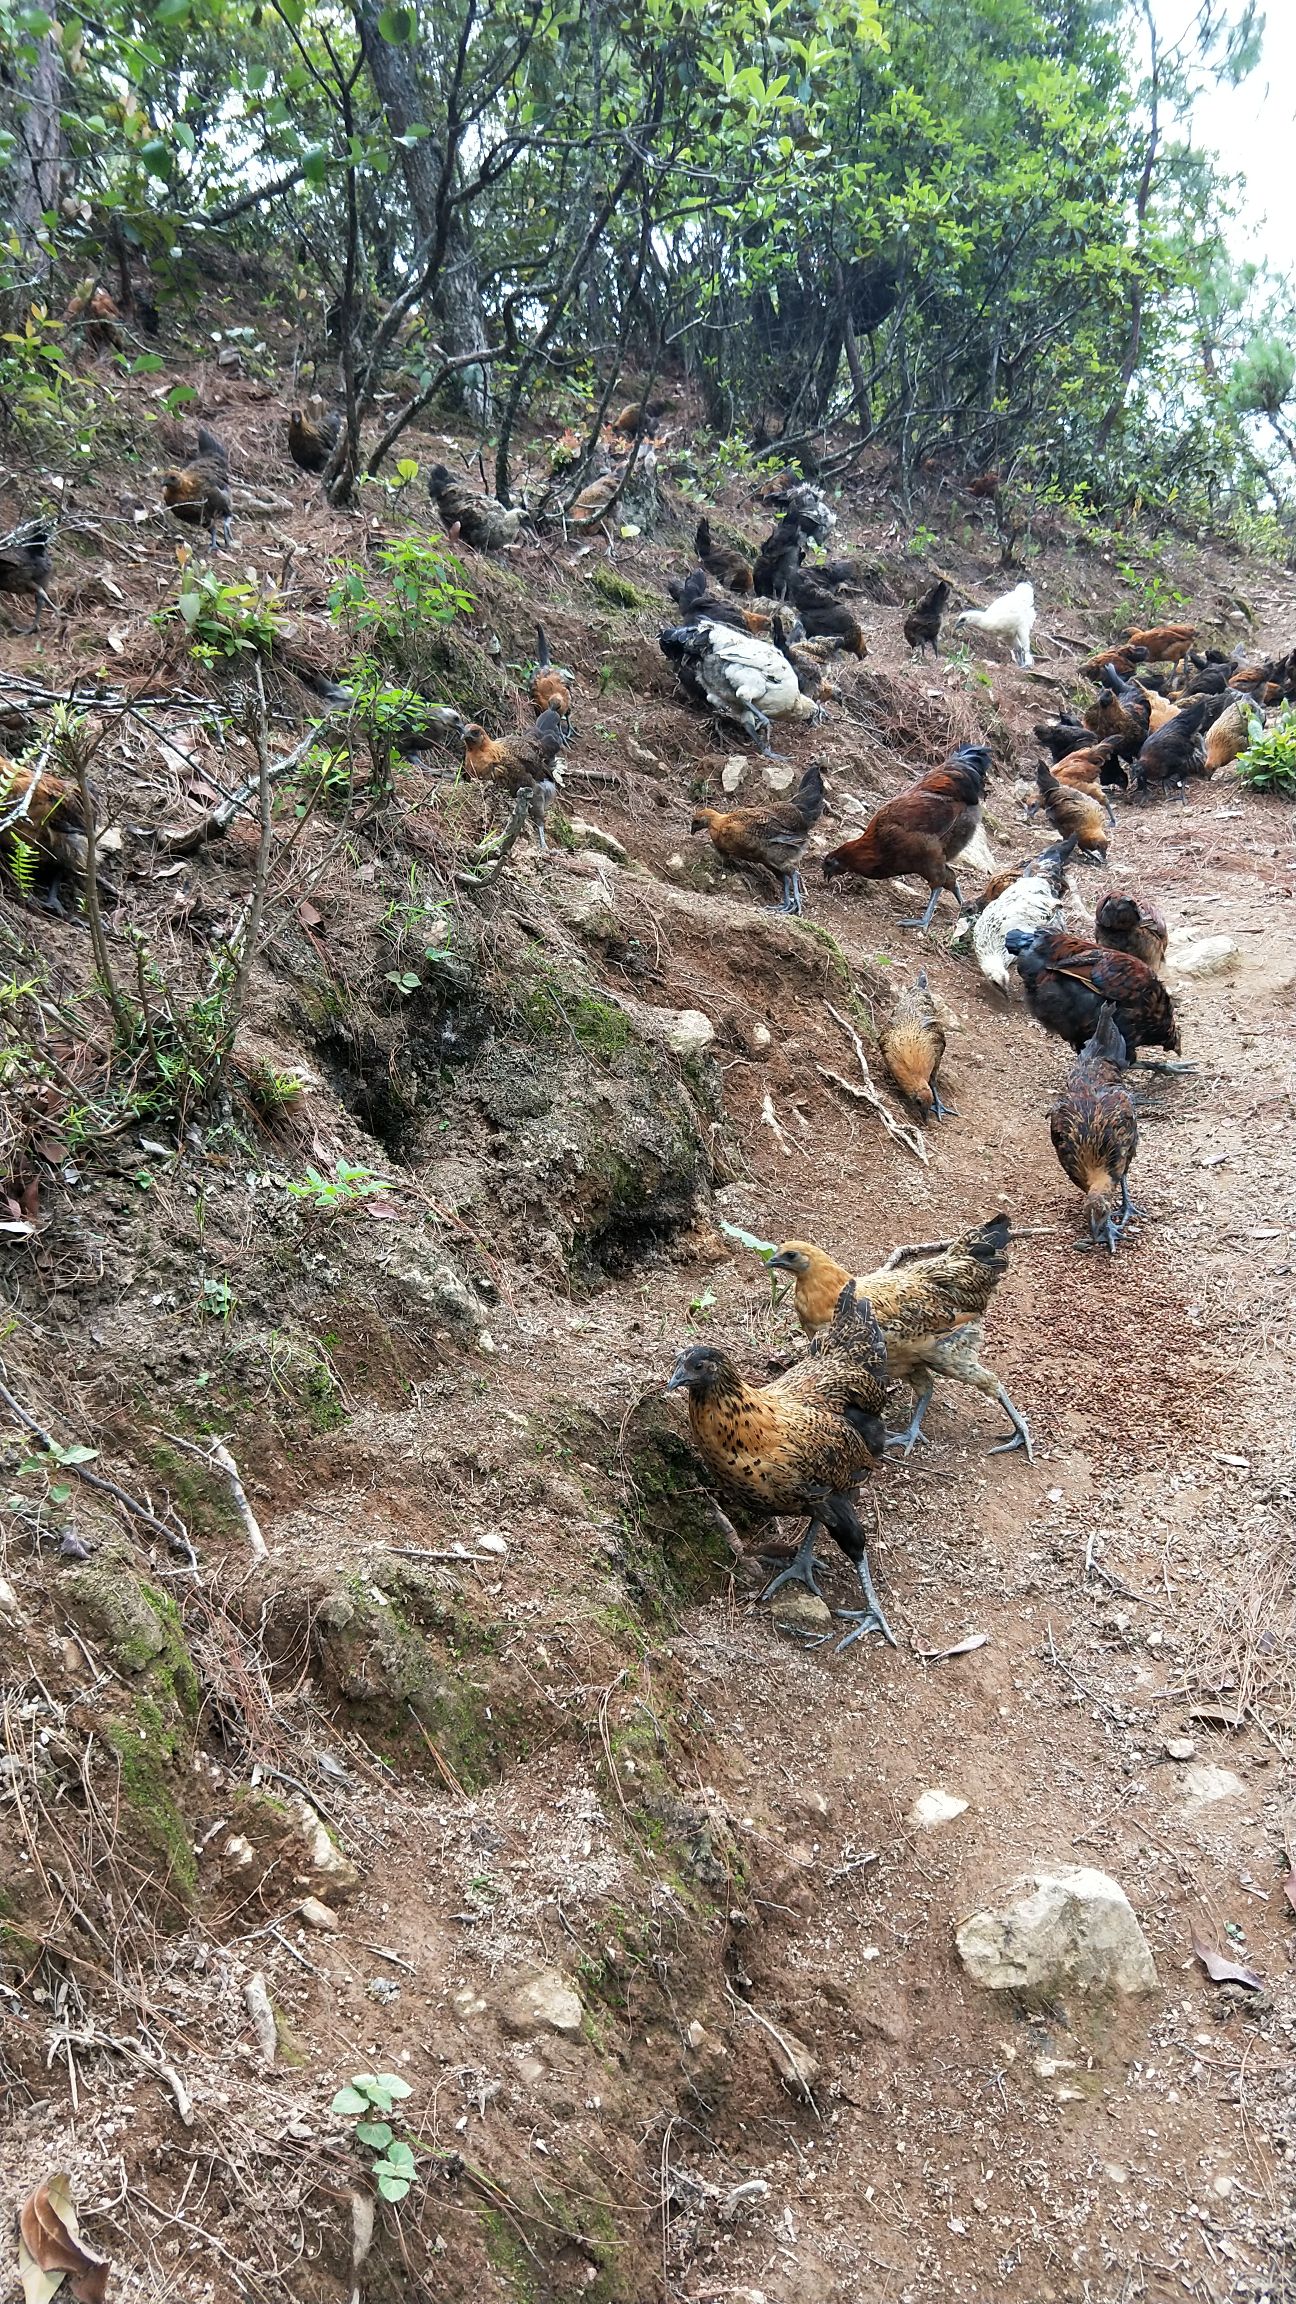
(921, 541)
(224, 617)
(427, 584)
(65, 1459)
(217, 1300)
(347, 1187)
(369, 2100)
(273, 1095)
(1269, 762)
(420, 929)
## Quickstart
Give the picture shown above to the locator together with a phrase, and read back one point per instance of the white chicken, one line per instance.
(1033, 901)
(741, 677)
(1010, 618)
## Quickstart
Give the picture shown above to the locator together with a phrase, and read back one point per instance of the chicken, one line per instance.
(742, 678)
(828, 619)
(635, 417)
(551, 684)
(774, 836)
(923, 831)
(696, 602)
(43, 816)
(778, 560)
(1066, 981)
(480, 521)
(923, 622)
(310, 444)
(1231, 735)
(1061, 736)
(807, 661)
(912, 1046)
(26, 567)
(595, 500)
(722, 561)
(95, 310)
(1121, 659)
(1095, 1132)
(1070, 809)
(802, 1443)
(1092, 767)
(801, 501)
(1176, 751)
(198, 492)
(1127, 923)
(1009, 618)
(1123, 710)
(985, 485)
(526, 766)
(1163, 643)
(930, 1304)
(1031, 900)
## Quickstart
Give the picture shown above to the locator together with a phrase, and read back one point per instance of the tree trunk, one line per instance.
(36, 156)
(455, 290)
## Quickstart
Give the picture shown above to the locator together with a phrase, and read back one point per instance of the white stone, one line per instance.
(936, 1807)
(1209, 956)
(733, 772)
(1180, 1748)
(1071, 1928)
(685, 1031)
(796, 2067)
(593, 836)
(325, 1858)
(546, 2003)
(317, 1915)
(1205, 1785)
(761, 1036)
(492, 1543)
(239, 1851)
(779, 775)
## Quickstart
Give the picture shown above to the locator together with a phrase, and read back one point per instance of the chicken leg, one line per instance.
(801, 1570)
(930, 913)
(793, 895)
(870, 1619)
(955, 1356)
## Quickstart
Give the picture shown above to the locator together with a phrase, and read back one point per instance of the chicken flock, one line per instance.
(755, 642)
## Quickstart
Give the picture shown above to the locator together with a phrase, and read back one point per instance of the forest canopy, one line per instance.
(964, 229)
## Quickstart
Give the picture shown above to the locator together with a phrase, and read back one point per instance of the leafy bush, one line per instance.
(224, 617)
(392, 2164)
(347, 1187)
(1269, 762)
(427, 586)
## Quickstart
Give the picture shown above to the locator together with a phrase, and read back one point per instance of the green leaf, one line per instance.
(391, 2081)
(178, 397)
(60, 1494)
(349, 2103)
(155, 155)
(400, 2157)
(392, 2187)
(396, 26)
(374, 2132)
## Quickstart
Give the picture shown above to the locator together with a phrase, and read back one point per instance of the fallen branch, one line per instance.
(219, 1456)
(131, 2048)
(177, 1538)
(215, 826)
(772, 1121)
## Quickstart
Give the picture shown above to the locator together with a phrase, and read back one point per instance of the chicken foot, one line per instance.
(955, 1356)
(801, 1570)
(930, 913)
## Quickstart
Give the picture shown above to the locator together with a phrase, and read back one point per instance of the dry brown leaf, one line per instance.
(1222, 1971)
(50, 2248)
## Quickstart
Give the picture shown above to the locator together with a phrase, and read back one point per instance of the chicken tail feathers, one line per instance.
(989, 1243)
(543, 658)
(808, 799)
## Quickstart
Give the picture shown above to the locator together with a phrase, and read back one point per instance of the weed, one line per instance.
(224, 617)
(392, 2165)
(427, 584)
(347, 1187)
(1269, 762)
(217, 1299)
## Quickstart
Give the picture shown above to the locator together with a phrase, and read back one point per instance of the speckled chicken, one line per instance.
(198, 492)
(912, 1046)
(1124, 922)
(477, 519)
(742, 678)
(527, 766)
(1095, 1131)
(25, 565)
(1073, 811)
(774, 836)
(311, 441)
(930, 1303)
(802, 1443)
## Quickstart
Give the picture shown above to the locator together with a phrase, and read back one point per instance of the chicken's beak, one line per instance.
(780, 1263)
(679, 1379)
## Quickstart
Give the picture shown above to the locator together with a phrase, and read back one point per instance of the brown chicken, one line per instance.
(802, 1443)
(1072, 810)
(923, 621)
(722, 561)
(198, 492)
(26, 567)
(311, 444)
(1230, 736)
(774, 836)
(912, 1045)
(1126, 923)
(1095, 1132)
(41, 815)
(1122, 659)
(1093, 767)
(922, 832)
(628, 420)
(551, 684)
(1175, 751)
(481, 521)
(1163, 643)
(696, 602)
(95, 311)
(1066, 981)
(930, 1303)
(526, 766)
(809, 661)
(1123, 710)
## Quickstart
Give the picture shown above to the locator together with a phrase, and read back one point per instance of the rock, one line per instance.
(8, 1600)
(796, 2067)
(936, 1807)
(778, 775)
(1180, 1748)
(1209, 956)
(761, 1036)
(325, 1857)
(685, 1031)
(317, 1915)
(794, 1609)
(493, 1543)
(1205, 1785)
(261, 2015)
(733, 772)
(239, 1852)
(546, 2002)
(1070, 1928)
(604, 843)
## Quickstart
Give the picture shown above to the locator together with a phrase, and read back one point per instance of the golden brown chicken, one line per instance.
(1128, 923)
(1095, 1132)
(551, 684)
(629, 419)
(1073, 811)
(923, 831)
(774, 835)
(1163, 643)
(912, 1045)
(41, 820)
(930, 1303)
(1121, 659)
(1230, 736)
(310, 443)
(95, 311)
(526, 766)
(802, 1443)
(721, 560)
(26, 567)
(1093, 767)
(198, 492)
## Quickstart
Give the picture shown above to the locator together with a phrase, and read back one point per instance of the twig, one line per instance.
(247, 942)
(219, 1455)
(215, 826)
(771, 1120)
(911, 1138)
(803, 2087)
(138, 2055)
(443, 1766)
(177, 1538)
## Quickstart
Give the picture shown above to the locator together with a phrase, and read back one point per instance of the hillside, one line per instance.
(452, 1742)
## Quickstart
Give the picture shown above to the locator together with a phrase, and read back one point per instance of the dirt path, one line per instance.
(1137, 1574)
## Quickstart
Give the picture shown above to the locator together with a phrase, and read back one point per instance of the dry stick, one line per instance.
(219, 1456)
(94, 918)
(252, 918)
(215, 826)
(138, 2055)
(178, 1537)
